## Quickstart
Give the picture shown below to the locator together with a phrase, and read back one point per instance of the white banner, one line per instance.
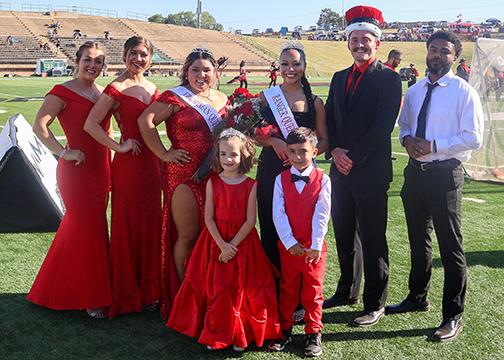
(281, 110)
(211, 116)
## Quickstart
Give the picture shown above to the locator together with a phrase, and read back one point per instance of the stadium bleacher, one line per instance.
(171, 43)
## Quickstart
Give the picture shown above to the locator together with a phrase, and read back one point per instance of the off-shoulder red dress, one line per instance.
(187, 130)
(135, 234)
(228, 303)
(75, 272)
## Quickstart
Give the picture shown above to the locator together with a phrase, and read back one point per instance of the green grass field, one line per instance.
(32, 332)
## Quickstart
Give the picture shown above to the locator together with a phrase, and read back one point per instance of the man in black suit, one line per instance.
(361, 111)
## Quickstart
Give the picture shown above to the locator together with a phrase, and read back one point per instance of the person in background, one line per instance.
(413, 74)
(75, 272)
(273, 74)
(394, 59)
(441, 123)
(463, 70)
(498, 81)
(243, 75)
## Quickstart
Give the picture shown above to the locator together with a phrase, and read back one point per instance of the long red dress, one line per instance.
(187, 130)
(135, 234)
(228, 303)
(75, 273)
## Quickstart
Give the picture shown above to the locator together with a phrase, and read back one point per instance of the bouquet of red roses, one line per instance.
(243, 112)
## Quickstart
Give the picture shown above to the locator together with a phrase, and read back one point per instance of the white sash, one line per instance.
(281, 110)
(211, 116)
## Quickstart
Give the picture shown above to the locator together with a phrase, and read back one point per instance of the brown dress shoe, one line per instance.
(369, 317)
(448, 330)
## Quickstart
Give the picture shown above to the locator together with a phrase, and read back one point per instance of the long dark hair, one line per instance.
(306, 89)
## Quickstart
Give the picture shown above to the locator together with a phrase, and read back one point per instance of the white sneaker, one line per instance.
(238, 349)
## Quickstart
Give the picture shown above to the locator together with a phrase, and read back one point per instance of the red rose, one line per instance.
(247, 109)
(230, 122)
(265, 131)
(240, 91)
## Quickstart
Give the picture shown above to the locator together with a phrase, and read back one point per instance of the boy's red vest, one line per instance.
(301, 207)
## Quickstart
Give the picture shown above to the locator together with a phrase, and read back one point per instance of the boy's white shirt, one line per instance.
(321, 215)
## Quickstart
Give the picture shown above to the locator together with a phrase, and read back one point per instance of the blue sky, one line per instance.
(247, 15)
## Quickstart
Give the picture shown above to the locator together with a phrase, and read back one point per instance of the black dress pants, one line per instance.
(359, 214)
(432, 200)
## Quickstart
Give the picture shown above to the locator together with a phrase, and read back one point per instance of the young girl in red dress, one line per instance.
(228, 294)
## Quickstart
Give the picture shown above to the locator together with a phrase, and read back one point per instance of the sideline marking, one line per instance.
(479, 201)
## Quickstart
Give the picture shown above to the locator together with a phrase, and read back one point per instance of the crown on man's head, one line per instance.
(364, 18)
(202, 48)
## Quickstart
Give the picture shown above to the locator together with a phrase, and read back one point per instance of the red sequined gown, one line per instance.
(75, 273)
(228, 303)
(135, 234)
(187, 130)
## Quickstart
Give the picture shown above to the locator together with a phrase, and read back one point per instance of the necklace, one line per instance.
(137, 83)
(201, 95)
(90, 97)
(291, 103)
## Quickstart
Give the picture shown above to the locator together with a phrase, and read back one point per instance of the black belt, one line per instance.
(436, 164)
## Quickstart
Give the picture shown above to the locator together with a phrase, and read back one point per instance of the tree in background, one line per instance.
(209, 22)
(183, 18)
(188, 18)
(329, 17)
(158, 18)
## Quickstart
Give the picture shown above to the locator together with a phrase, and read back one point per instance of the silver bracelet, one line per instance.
(63, 153)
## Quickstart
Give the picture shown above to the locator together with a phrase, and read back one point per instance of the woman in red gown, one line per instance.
(135, 234)
(75, 272)
(191, 139)
(228, 294)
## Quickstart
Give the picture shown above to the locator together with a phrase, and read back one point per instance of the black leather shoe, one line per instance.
(408, 306)
(334, 301)
(448, 330)
(369, 317)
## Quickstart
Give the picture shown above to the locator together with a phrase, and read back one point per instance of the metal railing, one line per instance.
(5, 6)
(36, 7)
(87, 11)
(248, 40)
(137, 16)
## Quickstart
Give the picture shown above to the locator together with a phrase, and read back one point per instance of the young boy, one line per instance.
(301, 210)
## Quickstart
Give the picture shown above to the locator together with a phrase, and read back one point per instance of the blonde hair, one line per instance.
(247, 153)
(78, 54)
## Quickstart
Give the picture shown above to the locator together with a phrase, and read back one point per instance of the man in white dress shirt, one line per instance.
(441, 123)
